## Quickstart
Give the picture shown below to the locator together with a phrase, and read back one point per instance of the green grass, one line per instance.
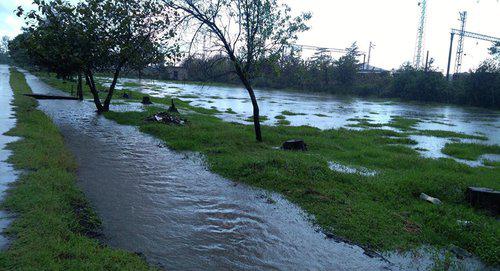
(321, 115)
(262, 118)
(283, 122)
(230, 111)
(280, 117)
(469, 151)
(53, 220)
(383, 211)
(402, 123)
(132, 84)
(289, 113)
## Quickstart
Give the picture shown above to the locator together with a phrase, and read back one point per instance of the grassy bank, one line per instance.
(383, 211)
(54, 225)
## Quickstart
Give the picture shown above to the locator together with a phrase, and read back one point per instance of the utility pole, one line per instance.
(449, 56)
(372, 45)
(427, 62)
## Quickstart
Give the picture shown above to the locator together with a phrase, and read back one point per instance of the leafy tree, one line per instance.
(495, 50)
(346, 67)
(482, 87)
(98, 35)
(247, 31)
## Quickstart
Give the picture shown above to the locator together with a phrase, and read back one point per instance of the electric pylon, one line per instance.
(419, 48)
(460, 48)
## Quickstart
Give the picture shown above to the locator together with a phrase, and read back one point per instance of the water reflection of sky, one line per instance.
(326, 111)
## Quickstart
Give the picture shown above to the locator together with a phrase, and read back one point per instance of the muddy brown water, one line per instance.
(167, 206)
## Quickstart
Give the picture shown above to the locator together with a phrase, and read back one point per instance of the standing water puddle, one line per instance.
(351, 170)
(7, 122)
(180, 216)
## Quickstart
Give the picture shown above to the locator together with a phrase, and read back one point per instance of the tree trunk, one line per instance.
(89, 77)
(256, 111)
(79, 88)
(112, 88)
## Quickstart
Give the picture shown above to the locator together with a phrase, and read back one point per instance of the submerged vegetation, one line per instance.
(54, 224)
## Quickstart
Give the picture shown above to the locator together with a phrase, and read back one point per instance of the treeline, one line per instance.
(345, 76)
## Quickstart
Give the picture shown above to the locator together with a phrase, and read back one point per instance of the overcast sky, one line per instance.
(390, 24)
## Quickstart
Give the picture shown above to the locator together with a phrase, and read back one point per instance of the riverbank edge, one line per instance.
(55, 227)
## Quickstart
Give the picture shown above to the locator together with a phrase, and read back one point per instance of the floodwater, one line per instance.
(326, 111)
(7, 172)
(167, 206)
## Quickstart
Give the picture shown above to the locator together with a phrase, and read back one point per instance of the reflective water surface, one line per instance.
(326, 111)
(7, 122)
(180, 216)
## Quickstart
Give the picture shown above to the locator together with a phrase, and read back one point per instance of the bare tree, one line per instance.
(246, 30)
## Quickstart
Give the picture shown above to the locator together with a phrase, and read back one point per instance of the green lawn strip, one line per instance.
(383, 212)
(53, 219)
(469, 151)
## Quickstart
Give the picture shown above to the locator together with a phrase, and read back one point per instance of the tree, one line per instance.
(98, 35)
(246, 30)
(4, 47)
(495, 50)
(346, 67)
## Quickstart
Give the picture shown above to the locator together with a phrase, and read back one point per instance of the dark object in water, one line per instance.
(173, 109)
(294, 145)
(167, 118)
(50, 97)
(146, 100)
(485, 198)
(126, 96)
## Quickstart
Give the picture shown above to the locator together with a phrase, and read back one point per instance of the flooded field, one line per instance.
(7, 122)
(330, 112)
(168, 207)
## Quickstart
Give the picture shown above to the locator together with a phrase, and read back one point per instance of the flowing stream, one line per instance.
(167, 206)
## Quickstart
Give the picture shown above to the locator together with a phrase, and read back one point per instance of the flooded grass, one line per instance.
(53, 219)
(230, 111)
(321, 115)
(402, 123)
(283, 122)
(374, 211)
(450, 134)
(382, 211)
(469, 151)
(290, 113)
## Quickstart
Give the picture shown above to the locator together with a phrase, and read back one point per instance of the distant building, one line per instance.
(365, 68)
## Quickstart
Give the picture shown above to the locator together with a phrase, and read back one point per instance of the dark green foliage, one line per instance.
(419, 85)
